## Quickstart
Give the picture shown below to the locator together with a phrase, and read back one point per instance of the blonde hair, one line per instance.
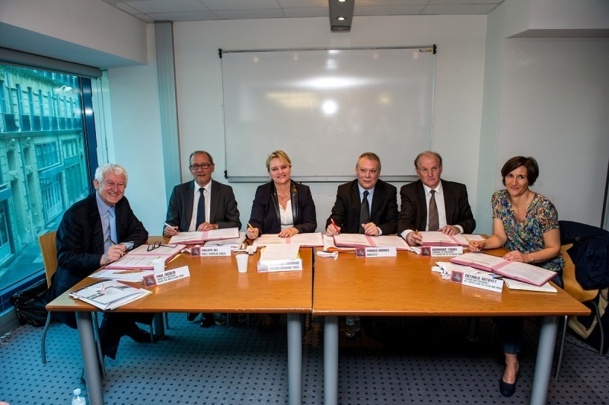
(278, 154)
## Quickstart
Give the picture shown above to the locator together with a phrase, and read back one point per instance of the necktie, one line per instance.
(364, 214)
(108, 231)
(434, 223)
(201, 208)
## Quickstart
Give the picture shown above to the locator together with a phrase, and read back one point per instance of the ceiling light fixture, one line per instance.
(341, 15)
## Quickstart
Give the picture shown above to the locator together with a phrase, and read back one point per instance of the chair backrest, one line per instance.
(572, 287)
(48, 247)
(590, 253)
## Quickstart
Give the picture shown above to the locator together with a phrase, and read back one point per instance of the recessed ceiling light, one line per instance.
(340, 18)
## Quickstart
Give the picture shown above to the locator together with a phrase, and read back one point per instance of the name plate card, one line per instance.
(267, 266)
(441, 250)
(386, 251)
(166, 277)
(214, 251)
(478, 281)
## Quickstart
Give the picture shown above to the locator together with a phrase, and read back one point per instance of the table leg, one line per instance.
(543, 364)
(331, 360)
(295, 359)
(89, 355)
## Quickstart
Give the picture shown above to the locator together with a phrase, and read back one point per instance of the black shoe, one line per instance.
(507, 390)
(137, 334)
(191, 316)
(220, 319)
(207, 321)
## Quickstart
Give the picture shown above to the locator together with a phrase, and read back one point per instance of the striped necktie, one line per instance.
(434, 222)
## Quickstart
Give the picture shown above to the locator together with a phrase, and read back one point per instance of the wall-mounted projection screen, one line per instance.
(325, 108)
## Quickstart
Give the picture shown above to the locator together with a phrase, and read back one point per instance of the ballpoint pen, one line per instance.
(334, 224)
(171, 226)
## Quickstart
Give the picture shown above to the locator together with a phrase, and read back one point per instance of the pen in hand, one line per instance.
(334, 224)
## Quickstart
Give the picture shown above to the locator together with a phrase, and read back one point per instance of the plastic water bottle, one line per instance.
(353, 326)
(78, 399)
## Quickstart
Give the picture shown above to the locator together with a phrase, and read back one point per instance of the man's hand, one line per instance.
(371, 229)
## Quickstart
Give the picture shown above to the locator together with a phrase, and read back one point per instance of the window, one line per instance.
(44, 163)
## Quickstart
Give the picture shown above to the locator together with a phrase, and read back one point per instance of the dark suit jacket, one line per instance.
(413, 212)
(80, 241)
(265, 209)
(383, 212)
(223, 206)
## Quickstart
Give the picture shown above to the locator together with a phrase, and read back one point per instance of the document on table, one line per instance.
(280, 252)
(189, 238)
(108, 295)
(130, 276)
(352, 240)
(141, 257)
(516, 270)
(436, 238)
(357, 239)
(301, 239)
(519, 285)
(233, 242)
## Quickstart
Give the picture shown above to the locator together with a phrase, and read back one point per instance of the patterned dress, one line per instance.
(527, 237)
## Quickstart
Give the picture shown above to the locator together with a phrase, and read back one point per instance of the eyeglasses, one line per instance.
(201, 166)
(157, 245)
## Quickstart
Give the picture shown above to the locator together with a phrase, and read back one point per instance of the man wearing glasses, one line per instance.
(201, 205)
(94, 232)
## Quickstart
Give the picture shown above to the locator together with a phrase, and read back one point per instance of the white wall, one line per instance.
(547, 99)
(136, 138)
(555, 103)
(89, 32)
(458, 94)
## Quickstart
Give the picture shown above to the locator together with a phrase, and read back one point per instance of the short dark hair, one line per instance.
(529, 163)
(200, 152)
(427, 152)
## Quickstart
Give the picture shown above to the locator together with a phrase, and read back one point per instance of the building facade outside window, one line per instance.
(44, 166)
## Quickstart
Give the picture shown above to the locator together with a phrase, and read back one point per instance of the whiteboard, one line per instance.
(324, 108)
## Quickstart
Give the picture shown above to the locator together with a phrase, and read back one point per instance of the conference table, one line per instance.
(404, 285)
(214, 285)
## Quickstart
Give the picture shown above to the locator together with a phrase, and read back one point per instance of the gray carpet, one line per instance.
(393, 361)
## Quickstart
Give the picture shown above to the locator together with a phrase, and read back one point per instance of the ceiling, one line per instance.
(207, 10)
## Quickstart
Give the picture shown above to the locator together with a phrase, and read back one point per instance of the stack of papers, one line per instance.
(280, 258)
(300, 239)
(141, 258)
(108, 295)
(193, 238)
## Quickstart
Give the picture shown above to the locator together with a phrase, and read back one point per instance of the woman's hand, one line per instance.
(288, 232)
(252, 233)
(476, 245)
(515, 256)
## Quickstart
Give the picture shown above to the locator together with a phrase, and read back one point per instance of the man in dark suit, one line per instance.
(201, 205)
(94, 232)
(348, 214)
(454, 214)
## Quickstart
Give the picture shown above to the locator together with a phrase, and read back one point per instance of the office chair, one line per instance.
(48, 247)
(574, 289)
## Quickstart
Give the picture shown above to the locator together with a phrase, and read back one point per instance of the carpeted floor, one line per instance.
(393, 361)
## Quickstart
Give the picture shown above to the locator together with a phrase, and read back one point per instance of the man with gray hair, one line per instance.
(94, 232)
